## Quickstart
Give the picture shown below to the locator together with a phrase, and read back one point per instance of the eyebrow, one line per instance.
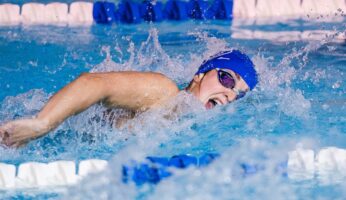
(237, 75)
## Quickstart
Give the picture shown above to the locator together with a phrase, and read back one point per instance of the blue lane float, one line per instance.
(159, 168)
(221, 9)
(104, 13)
(128, 11)
(198, 9)
(176, 10)
(151, 12)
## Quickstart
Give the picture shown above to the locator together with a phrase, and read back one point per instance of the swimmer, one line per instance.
(220, 80)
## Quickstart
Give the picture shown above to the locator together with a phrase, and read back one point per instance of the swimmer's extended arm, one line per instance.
(132, 90)
(73, 98)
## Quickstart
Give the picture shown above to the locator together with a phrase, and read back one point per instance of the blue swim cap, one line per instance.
(235, 61)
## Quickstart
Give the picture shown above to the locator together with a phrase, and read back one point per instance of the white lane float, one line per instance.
(39, 175)
(80, 13)
(33, 13)
(244, 8)
(57, 13)
(7, 176)
(9, 14)
(301, 164)
(289, 36)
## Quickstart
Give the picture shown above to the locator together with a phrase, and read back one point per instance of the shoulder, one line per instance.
(165, 81)
(134, 76)
(155, 79)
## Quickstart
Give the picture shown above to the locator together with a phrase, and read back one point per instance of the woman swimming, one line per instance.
(221, 79)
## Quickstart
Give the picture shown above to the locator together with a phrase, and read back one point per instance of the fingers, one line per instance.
(7, 136)
(10, 141)
(3, 135)
(13, 138)
(6, 139)
(19, 132)
(3, 131)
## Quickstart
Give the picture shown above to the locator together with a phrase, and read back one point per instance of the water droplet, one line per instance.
(336, 85)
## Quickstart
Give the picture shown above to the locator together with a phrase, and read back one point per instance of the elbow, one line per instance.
(84, 76)
(87, 79)
(94, 83)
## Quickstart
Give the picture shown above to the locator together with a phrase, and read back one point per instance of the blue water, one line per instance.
(301, 101)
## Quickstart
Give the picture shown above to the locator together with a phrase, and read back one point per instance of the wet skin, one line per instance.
(208, 89)
(135, 91)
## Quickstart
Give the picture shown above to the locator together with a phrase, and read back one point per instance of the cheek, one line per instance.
(211, 86)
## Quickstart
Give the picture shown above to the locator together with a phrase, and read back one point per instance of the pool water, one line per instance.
(299, 103)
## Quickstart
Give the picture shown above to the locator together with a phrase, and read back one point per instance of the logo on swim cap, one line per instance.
(234, 60)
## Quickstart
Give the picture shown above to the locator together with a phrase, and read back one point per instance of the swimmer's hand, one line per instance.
(19, 132)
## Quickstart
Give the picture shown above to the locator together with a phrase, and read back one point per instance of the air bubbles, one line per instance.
(33, 63)
(325, 106)
(336, 85)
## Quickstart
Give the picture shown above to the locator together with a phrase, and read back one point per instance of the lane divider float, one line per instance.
(289, 36)
(301, 164)
(128, 11)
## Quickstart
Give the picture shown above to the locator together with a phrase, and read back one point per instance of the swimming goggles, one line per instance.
(228, 81)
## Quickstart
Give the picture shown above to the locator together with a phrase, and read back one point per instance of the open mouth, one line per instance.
(211, 104)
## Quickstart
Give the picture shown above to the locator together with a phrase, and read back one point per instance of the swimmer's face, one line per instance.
(208, 89)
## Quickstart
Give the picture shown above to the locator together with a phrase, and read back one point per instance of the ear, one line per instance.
(198, 78)
(195, 81)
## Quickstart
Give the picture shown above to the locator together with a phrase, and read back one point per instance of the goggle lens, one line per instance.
(226, 79)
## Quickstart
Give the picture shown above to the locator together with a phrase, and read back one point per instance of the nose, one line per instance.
(231, 95)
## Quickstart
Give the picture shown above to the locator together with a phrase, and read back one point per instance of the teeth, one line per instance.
(213, 102)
